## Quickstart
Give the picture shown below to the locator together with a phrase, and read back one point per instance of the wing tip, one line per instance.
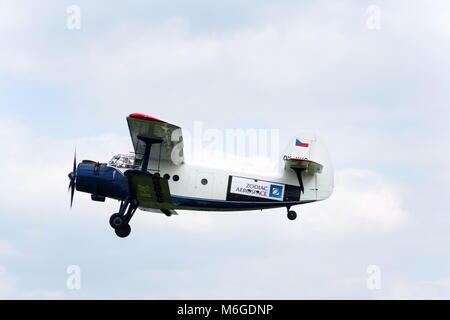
(144, 117)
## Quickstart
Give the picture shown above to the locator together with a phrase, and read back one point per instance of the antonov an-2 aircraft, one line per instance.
(157, 179)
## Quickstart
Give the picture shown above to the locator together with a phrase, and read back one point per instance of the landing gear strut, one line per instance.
(120, 221)
(292, 215)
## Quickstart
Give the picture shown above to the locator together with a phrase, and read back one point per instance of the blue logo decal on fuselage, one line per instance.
(276, 191)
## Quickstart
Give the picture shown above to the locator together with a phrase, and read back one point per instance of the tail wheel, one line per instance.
(292, 215)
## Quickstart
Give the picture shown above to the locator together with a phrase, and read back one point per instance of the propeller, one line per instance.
(73, 178)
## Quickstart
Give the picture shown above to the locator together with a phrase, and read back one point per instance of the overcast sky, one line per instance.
(377, 93)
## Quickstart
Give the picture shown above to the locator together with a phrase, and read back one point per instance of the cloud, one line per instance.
(8, 250)
(7, 284)
(11, 288)
(404, 288)
(363, 202)
(285, 55)
(248, 247)
(38, 166)
(286, 64)
(379, 98)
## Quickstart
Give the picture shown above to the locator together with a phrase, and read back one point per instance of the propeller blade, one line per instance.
(70, 184)
(73, 177)
(75, 162)
(72, 192)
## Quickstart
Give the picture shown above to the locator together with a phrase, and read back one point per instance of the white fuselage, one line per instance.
(209, 184)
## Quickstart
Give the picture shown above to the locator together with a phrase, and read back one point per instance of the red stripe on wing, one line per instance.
(144, 117)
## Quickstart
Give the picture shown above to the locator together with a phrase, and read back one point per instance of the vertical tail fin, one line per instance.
(307, 155)
(300, 147)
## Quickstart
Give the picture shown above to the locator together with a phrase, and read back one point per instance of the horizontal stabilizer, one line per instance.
(311, 167)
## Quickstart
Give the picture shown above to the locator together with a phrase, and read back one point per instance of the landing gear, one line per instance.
(292, 215)
(120, 221)
(123, 231)
(116, 221)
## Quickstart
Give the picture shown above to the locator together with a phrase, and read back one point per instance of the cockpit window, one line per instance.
(122, 161)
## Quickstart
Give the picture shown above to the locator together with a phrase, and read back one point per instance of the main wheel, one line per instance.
(123, 231)
(292, 215)
(117, 220)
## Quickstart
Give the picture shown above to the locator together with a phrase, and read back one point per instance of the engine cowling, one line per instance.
(101, 180)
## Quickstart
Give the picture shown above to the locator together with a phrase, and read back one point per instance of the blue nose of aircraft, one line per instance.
(101, 181)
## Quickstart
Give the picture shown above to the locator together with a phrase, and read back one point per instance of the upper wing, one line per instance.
(171, 147)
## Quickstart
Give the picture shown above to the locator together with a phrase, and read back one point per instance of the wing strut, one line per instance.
(148, 147)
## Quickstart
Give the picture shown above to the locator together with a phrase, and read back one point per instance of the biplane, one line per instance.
(156, 177)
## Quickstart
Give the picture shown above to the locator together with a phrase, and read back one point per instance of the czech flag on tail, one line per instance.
(298, 143)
